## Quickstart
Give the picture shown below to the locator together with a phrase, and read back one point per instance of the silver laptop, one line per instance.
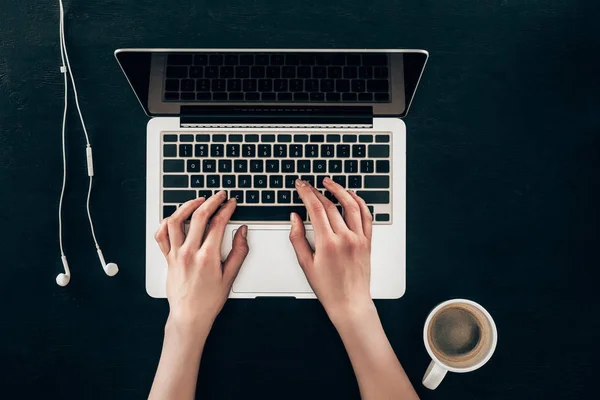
(252, 121)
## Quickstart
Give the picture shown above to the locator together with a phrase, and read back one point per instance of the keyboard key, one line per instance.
(335, 166)
(170, 150)
(382, 139)
(366, 97)
(320, 181)
(366, 166)
(244, 181)
(296, 85)
(317, 97)
(333, 138)
(351, 166)
(240, 165)
(238, 195)
(247, 59)
(225, 166)
(201, 150)
(296, 150)
(252, 196)
(197, 181)
(168, 211)
(219, 138)
(319, 166)
(267, 138)
(378, 86)
(193, 165)
(272, 166)
(205, 193)
(284, 196)
(172, 85)
(264, 150)
(169, 138)
(186, 138)
(382, 217)
(350, 72)
(382, 166)
(213, 181)
(379, 151)
(358, 85)
(288, 72)
(175, 181)
(256, 166)
(319, 72)
(355, 181)
(365, 72)
(218, 85)
(284, 138)
(233, 150)
(178, 196)
(280, 150)
(287, 166)
(242, 72)
(290, 180)
(217, 150)
(265, 85)
(348, 96)
(177, 72)
(228, 181)
(185, 150)
(375, 59)
(248, 150)
(173, 166)
(252, 138)
(317, 138)
(296, 198)
(349, 138)
(252, 96)
(377, 182)
(312, 150)
(327, 85)
(327, 150)
(340, 180)
(260, 181)
(309, 178)
(261, 59)
(215, 59)
(342, 85)
(301, 138)
(227, 72)
(262, 213)
(203, 85)
(276, 181)
(209, 166)
(359, 151)
(303, 72)
(281, 85)
(188, 85)
(334, 72)
(374, 196)
(235, 138)
(301, 96)
(303, 166)
(188, 96)
(268, 97)
(365, 138)
(249, 85)
(202, 138)
(343, 150)
(333, 97)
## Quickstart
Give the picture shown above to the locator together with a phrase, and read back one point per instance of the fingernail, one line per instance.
(245, 231)
(326, 180)
(300, 183)
(232, 200)
(292, 218)
(222, 193)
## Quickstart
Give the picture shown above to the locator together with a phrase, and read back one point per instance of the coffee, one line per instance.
(457, 334)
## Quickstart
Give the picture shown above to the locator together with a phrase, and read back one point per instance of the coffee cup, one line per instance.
(460, 336)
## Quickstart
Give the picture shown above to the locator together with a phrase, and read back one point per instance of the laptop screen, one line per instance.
(165, 80)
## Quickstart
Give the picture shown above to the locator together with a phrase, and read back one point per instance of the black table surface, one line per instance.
(502, 198)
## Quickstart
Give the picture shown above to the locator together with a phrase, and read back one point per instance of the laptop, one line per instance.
(251, 121)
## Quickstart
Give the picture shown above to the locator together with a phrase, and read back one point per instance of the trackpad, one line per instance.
(271, 265)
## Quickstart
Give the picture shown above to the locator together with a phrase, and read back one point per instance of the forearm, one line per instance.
(177, 371)
(378, 371)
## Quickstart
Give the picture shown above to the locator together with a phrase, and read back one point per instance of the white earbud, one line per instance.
(110, 269)
(63, 279)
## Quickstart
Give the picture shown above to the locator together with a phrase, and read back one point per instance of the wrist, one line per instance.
(352, 314)
(187, 333)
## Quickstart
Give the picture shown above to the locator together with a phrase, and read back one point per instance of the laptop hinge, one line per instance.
(276, 117)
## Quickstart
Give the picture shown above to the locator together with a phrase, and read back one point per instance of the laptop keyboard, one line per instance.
(260, 170)
(284, 77)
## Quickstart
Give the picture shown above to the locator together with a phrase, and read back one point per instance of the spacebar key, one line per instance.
(267, 213)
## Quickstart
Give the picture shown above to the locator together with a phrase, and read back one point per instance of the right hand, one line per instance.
(339, 269)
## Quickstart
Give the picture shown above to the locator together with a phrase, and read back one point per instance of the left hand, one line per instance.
(198, 283)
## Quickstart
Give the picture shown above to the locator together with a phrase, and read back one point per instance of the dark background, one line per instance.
(503, 198)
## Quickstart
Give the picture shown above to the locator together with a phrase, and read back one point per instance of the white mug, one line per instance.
(438, 368)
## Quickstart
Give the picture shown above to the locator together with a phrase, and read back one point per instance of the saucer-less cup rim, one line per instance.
(438, 367)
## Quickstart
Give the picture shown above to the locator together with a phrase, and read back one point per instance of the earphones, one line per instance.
(110, 269)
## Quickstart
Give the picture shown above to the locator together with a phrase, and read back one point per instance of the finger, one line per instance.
(351, 208)
(304, 253)
(237, 255)
(162, 237)
(315, 209)
(367, 218)
(335, 218)
(200, 219)
(218, 223)
(175, 221)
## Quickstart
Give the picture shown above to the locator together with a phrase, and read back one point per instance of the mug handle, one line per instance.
(434, 375)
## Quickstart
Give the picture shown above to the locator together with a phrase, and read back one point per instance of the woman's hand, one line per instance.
(339, 269)
(198, 283)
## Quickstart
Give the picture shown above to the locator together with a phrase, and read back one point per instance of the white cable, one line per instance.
(64, 155)
(65, 57)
